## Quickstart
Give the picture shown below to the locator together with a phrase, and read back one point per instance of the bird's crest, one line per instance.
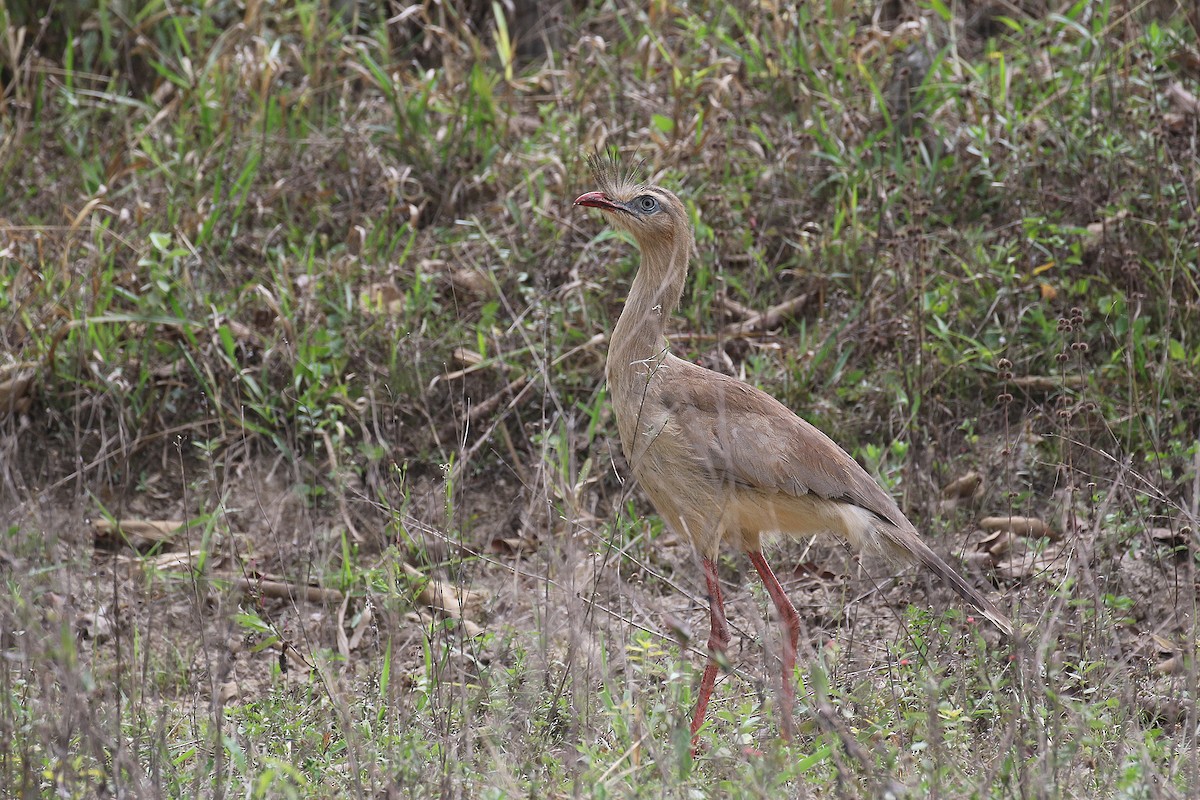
(612, 177)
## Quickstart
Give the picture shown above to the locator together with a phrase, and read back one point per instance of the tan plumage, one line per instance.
(721, 460)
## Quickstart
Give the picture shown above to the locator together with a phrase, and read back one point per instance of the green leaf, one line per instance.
(227, 343)
(160, 241)
(940, 9)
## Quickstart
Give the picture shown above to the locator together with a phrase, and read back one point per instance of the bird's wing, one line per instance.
(743, 436)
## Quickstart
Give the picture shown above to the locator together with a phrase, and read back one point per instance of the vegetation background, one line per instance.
(308, 482)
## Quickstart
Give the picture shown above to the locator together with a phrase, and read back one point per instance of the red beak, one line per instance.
(597, 200)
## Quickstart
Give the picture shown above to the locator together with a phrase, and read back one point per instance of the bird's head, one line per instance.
(654, 216)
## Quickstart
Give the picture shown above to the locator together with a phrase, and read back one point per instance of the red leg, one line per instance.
(791, 623)
(718, 640)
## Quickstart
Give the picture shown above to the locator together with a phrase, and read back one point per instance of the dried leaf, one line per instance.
(963, 486)
(346, 646)
(815, 570)
(1168, 536)
(1097, 230)
(1163, 644)
(511, 545)
(1001, 543)
(281, 589)
(343, 644)
(365, 618)
(1186, 60)
(473, 282)
(228, 692)
(978, 560)
(1025, 526)
(1169, 666)
(381, 298)
(466, 357)
(1048, 383)
(15, 382)
(97, 626)
(446, 598)
(1175, 123)
(470, 628)
(1027, 563)
(168, 562)
(138, 533)
(1184, 101)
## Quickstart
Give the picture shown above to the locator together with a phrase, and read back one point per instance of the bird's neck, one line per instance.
(638, 343)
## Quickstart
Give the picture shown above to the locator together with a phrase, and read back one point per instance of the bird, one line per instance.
(723, 462)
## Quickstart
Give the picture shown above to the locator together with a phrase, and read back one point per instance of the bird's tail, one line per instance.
(908, 544)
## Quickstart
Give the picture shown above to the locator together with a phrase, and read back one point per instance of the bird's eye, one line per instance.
(647, 204)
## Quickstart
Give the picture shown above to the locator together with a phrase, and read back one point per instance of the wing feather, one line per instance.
(741, 435)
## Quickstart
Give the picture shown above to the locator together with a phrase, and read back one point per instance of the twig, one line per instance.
(141, 532)
(736, 308)
(1046, 383)
(484, 409)
(767, 319)
(279, 589)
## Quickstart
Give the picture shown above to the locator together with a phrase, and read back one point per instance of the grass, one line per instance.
(310, 280)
